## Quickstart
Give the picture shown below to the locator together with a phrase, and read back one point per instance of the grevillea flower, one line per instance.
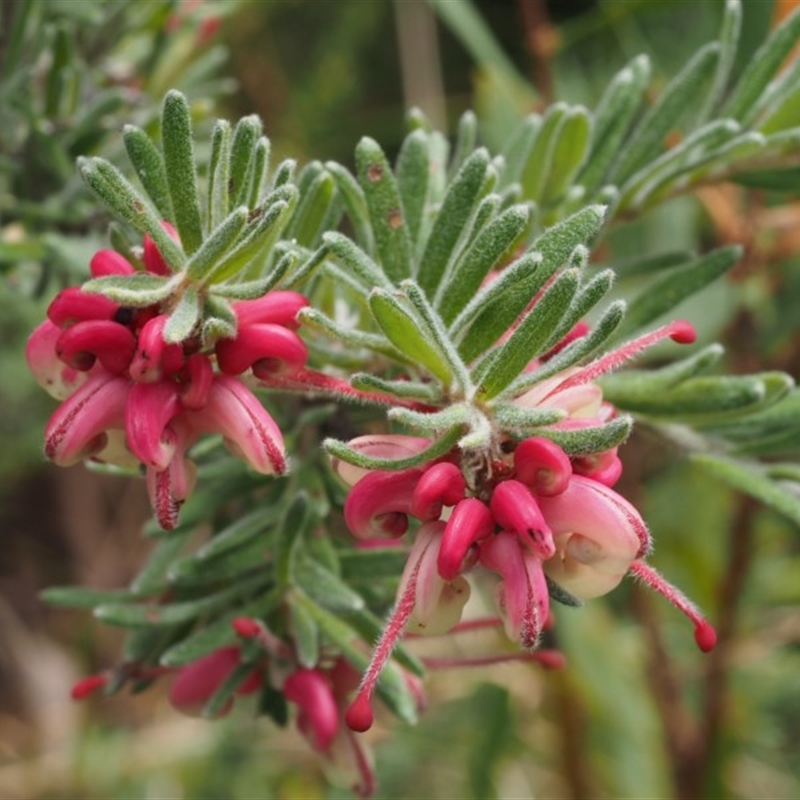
(536, 517)
(130, 397)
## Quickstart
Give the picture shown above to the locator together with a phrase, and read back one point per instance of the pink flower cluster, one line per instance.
(538, 519)
(131, 398)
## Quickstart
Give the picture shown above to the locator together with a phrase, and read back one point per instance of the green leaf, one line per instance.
(372, 564)
(355, 260)
(305, 635)
(355, 204)
(466, 137)
(290, 534)
(308, 220)
(644, 265)
(169, 614)
(683, 92)
(516, 418)
(404, 331)
(569, 153)
(219, 172)
(80, 597)
(784, 179)
(153, 577)
(246, 135)
(205, 260)
(728, 41)
(751, 479)
(240, 531)
(260, 170)
(540, 158)
(437, 448)
(515, 154)
(149, 165)
(495, 243)
(678, 285)
(389, 226)
(457, 208)
(532, 336)
(184, 318)
(413, 168)
(762, 66)
(176, 135)
(218, 702)
(493, 310)
(139, 290)
(108, 183)
(326, 588)
(612, 121)
(585, 441)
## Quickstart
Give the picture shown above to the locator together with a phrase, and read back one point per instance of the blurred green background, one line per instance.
(638, 712)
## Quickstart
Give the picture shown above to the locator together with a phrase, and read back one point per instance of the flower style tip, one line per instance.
(470, 522)
(515, 509)
(704, 634)
(89, 685)
(359, 716)
(267, 349)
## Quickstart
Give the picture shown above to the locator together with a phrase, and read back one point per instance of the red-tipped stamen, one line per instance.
(88, 685)
(359, 715)
(679, 331)
(704, 633)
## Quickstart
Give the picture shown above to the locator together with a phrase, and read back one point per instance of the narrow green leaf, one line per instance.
(179, 161)
(260, 170)
(413, 168)
(433, 421)
(308, 220)
(752, 480)
(645, 265)
(683, 92)
(240, 531)
(404, 331)
(184, 317)
(516, 152)
(494, 244)
(153, 577)
(225, 691)
(415, 390)
(205, 260)
(466, 137)
(305, 635)
(531, 337)
(437, 449)
(108, 183)
(355, 203)
(762, 66)
(219, 172)
(355, 260)
(372, 564)
(728, 41)
(81, 597)
(678, 285)
(569, 153)
(149, 165)
(585, 441)
(456, 210)
(233, 565)
(169, 614)
(284, 173)
(138, 290)
(784, 179)
(246, 134)
(516, 418)
(540, 158)
(326, 588)
(389, 225)
(612, 121)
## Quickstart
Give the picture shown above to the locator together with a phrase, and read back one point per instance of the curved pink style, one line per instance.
(154, 358)
(542, 466)
(110, 262)
(73, 305)
(440, 485)
(276, 308)
(111, 344)
(77, 429)
(515, 509)
(470, 522)
(267, 349)
(598, 534)
(377, 505)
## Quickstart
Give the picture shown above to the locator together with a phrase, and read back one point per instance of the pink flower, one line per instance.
(131, 397)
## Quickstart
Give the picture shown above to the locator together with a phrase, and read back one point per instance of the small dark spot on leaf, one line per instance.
(374, 172)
